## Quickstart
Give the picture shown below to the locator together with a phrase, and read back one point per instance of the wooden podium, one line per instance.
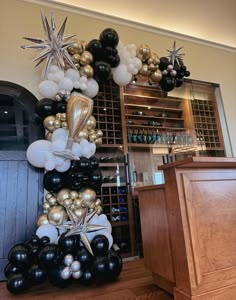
(189, 228)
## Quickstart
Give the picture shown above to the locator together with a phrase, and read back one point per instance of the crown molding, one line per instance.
(132, 24)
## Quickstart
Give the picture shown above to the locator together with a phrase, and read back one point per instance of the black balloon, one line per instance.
(61, 106)
(186, 73)
(53, 181)
(164, 62)
(167, 83)
(49, 256)
(100, 245)
(17, 283)
(19, 255)
(114, 266)
(84, 257)
(87, 277)
(37, 275)
(69, 245)
(100, 266)
(83, 164)
(102, 71)
(55, 277)
(44, 240)
(74, 180)
(46, 107)
(94, 163)
(11, 269)
(95, 47)
(96, 178)
(178, 81)
(113, 60)
(109, 37)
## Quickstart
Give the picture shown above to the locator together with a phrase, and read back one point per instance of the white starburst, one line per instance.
(175, 55)
(53, 47)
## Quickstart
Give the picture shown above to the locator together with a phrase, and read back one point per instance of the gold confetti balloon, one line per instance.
(57, 215)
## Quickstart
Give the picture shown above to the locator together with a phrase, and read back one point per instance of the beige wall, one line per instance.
(19, 18)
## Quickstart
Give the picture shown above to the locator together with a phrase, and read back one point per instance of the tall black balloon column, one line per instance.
(73, 242)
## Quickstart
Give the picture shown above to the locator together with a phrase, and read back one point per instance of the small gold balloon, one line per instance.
(86, 71)
(92, 205)
(49, 136)
(42, 220)
(91, 123)
(144, 71)
(57, 215)
(76, 58)
(57, 123)
(62, 195)
(48, 123)
(98, 141)
(52, 201)
(77, 47)
(143, 52)
(78, 211)
(156, 76)
(88, 196)
(67, 202)
(58, 116)
(152, 67)
(154, 59)
(48, 196)
(64, 125)
(63, 117)
(99, 210)
(86, 58)
(78, 203)
(74, 194)
(83, 134)
(92, 137)
(98, 202)
(46, 206)
(99, 133)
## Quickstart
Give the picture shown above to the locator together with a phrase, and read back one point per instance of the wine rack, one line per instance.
(107, 112)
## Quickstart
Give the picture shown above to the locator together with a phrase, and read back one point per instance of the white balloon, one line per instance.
(48, 230)
(68, 260)
(75, 266)
(37, 153)
(64, 167)
(77, 84)
(92, 88)
(50, 164)
(76, 149)
(77, 275)
(48, 89)
(66, 84)
(121, 76)
(66, 273)
(54, 69)
(87, 150)
(58, 145)
(60, 133)
(72, 74)
(56, 76)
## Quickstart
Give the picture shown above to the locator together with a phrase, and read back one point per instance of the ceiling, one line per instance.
(213, 21)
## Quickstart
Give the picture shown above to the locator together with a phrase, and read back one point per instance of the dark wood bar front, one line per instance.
(189, 228)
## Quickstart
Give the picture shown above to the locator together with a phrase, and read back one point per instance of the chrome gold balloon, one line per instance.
(144, 52)
(91, 123)
(86, 71)
(48, 123)
(42, 220)
(57, 215)
(86, 58)
(88, 196)
(63, 195)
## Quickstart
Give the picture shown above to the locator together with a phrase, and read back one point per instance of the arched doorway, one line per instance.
(21, 188)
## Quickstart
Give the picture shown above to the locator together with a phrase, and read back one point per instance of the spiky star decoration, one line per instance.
(80, 226)
(53, 47)
(175, 55)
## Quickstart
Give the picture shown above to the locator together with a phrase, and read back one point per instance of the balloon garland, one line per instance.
(73, 240)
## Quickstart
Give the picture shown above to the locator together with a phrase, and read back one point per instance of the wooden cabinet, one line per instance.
(200, 206)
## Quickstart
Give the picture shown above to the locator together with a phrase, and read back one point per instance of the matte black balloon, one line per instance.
(17, 283)
(94, 163)
(96, 178)
(70, 244)
(84, 257)
(164, 62)
(56, 279)
(109, 37)
(19, 255)
(74, 180)
(87, 277)
(102, 71)
(61, 106)
(100, 266)
(46, 107)
(167, 83)
(114, 267)
(49, 256)
(11, 269)
(37, 275)
(53, 181)
(100, 245)
(178, 81)
(95, 47)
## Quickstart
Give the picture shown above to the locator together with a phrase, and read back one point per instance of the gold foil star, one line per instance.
(175, 55)
(53, 47)
(80, 226)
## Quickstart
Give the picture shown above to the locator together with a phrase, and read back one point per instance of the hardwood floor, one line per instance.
(135, 282)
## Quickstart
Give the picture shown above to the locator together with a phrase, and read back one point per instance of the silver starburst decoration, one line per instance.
(53, 47)
(79, 225)
(175, 55)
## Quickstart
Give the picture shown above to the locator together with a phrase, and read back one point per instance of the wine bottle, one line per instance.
(139, 137)
(129, 137)
(149, 137)
(134, 137)
(144, 137)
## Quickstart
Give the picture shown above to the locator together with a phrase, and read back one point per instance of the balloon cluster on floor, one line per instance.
(37, 260)
(82, 65)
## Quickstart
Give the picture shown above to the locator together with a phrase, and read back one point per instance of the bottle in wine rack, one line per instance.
(139, 137)
(149, 137)
(134, 137)
(144, 137)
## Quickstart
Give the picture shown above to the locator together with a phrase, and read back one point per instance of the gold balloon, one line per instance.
(144, 71)
(144, 52)
(57, 215)
(42, 220)
(74, 195)
(49, 136)
(78, 211)
(48, 196)
(99, 133)
(77, 47)
(86, 71)
(78, 203)
(98, 202)
(92, 137)
(152, 67)
(154, 59)
(62, 195)
(63, 117)
(52, 201)
(156, 76)
(57, 124)
(76, 58)
(91, 123)
(86, 58)
(99, 210)
(83, 134)
(98, 141)
(46, 206)
(88, 196)
(67, 202)
(79, 109)
(48, 123)
(64, 125)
